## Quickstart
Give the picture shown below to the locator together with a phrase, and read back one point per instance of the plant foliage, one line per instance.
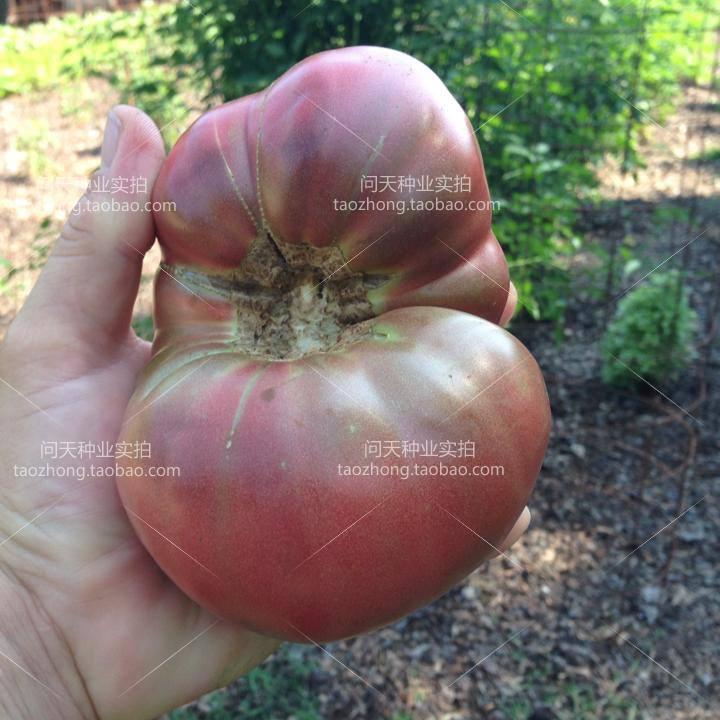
(652, 332)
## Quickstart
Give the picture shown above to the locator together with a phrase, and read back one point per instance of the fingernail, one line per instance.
(111, 139)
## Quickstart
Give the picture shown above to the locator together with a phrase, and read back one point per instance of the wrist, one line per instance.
(38, 674)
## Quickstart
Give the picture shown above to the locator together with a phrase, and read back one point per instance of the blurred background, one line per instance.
(599, 122)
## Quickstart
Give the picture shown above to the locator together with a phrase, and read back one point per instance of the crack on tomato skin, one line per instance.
(231, 177)
(266, 229)
(376, 153)
(275, 245)
(242, 402)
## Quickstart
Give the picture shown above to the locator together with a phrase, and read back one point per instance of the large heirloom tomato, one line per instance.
(338, 430)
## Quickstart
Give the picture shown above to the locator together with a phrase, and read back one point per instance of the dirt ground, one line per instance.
(610, 605)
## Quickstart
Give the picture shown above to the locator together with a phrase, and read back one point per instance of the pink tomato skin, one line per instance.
(264, 497)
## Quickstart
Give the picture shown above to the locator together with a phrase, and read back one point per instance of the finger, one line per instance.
(521, 525)
(510, 305)
(87, 289)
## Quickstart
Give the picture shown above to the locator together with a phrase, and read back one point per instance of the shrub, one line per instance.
(651, 334)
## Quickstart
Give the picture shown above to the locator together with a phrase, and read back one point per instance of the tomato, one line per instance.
(338, 429)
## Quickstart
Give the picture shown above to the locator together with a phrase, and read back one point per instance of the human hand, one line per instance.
(83, 607)
(89, 625)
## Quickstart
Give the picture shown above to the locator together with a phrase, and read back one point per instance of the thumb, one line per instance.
(85, 294)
